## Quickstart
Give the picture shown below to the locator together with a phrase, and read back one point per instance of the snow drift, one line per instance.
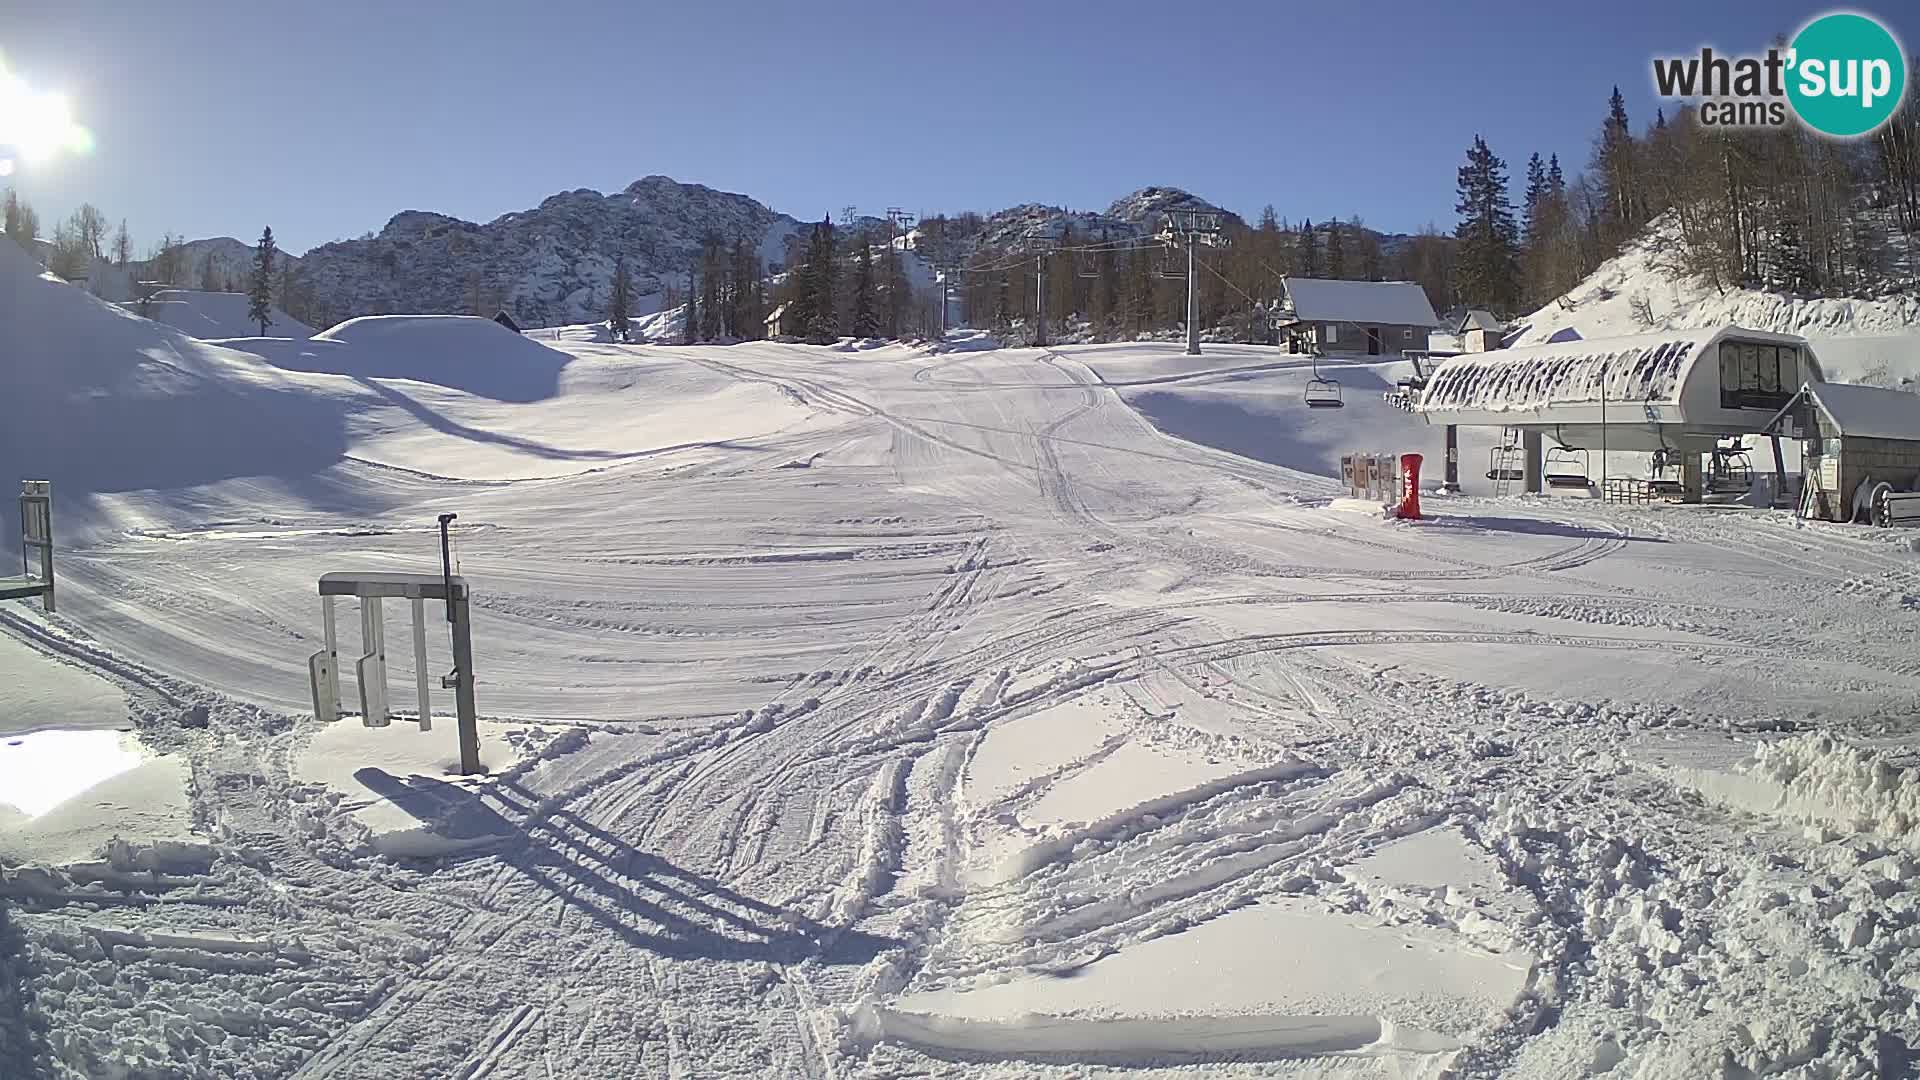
(99, 400)
(212, 315)
(461, 352)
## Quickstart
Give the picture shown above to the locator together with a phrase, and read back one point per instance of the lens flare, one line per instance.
(35, 125)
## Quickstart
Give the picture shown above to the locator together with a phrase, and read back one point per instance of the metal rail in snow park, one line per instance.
(36, 538)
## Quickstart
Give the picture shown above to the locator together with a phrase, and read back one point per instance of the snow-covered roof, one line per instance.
(1479, 319)
(1870, 412)
(1642, 367)
(1384, 303)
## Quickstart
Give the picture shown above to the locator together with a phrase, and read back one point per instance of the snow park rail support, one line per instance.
(370, 670)
(36, 538)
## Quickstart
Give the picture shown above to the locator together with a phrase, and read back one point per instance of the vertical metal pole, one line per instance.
(1780, 473)
(46, 549)
(1533, 462)
(331, 692)
(420, 663)
(1040, 298)
(332, 643)
(373, 675)
(1451, 484)
(1603, 426)
(1193, 304)
(446, 561)
(463, 687)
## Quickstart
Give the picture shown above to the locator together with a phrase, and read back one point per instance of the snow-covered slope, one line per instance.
(98, 399)
(1603, 305)
(552, 264)
(211, 315)
(1008, 713)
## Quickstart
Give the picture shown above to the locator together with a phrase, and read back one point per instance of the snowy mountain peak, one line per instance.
(547, 265)
(1149, 204)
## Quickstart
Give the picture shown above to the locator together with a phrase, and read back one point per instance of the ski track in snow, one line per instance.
(971, 679)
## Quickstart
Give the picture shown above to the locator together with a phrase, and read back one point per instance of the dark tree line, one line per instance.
(856, 286)
(1764, 208)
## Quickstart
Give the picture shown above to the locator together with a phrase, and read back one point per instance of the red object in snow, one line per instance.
(1410, 471)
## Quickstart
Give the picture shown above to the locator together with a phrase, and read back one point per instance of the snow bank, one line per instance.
(97, 399)
(463, 352)
(213, 315)
(1823, 782)
(1351, 986)
(38, 692)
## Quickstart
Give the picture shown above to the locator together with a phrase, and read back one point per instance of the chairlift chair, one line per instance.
(1505, 462)
(1665, 472)
(1501, 467)
(1323, 392)
(1731, 470)
(1566, 467)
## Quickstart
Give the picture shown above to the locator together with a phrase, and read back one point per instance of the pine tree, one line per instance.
(824, 329)
(1614, 169)
(1140, 294)
(22, 224)
(1106, 291)
(1372, 260)
(122, 246)
(866, 324)
(260, 292)
(620, 303)
(713, 296)
(1306, 260)
(897, 292)
(68, 259)
(1336, 251)
(1536, 191)
(690, 326)
(1487, 270)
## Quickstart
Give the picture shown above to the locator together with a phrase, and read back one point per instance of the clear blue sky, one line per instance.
(325, 118)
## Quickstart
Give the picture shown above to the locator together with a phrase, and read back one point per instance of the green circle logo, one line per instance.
(1847, 74)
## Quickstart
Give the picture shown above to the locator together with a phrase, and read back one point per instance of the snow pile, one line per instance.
(210, 315)
(98, 399)
(461, 352)
(1828, 784)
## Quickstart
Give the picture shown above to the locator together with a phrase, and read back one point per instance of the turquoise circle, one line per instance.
(1848, 48)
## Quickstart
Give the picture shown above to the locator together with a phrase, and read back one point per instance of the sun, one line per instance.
(36, 125)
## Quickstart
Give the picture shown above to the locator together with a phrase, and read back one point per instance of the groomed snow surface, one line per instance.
(892, 712)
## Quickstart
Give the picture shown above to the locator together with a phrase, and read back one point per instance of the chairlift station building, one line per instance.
(1678, 390)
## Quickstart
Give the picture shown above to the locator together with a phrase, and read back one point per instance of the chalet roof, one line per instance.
(1383, 303)
(1869, 412)
(1479, 319)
